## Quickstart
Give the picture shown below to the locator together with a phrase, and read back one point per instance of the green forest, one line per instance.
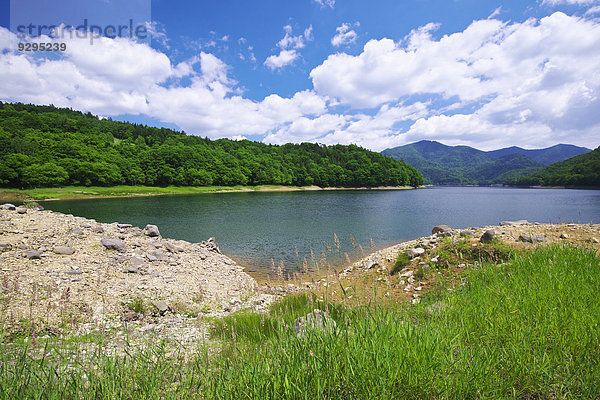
(582, 171)
(45, 146)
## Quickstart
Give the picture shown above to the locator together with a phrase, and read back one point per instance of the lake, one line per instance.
(256, 227)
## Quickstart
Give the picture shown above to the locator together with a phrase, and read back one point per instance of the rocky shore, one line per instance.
(375, 270)
(58, 269)
(61, 273)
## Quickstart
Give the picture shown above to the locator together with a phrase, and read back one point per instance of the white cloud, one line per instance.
(288, 46)
(593, 10)
(116, 76)
(495, 13)
(285, 57)
(570, 2)
(326, 3)
(495, 84)
(344, 35)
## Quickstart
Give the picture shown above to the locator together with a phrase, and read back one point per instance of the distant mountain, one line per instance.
(547, 156)
(582, 170)
(463, 165)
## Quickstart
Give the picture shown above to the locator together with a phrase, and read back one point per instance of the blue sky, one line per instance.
(379, 74)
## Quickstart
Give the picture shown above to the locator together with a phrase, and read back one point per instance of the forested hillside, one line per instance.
(583, 170)
(464, 165)
(47, 146)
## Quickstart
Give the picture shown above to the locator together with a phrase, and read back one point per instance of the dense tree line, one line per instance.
(583, 171)
(44, 146)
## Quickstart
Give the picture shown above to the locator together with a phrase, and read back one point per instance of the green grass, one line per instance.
(402, 261)
(528, 328)
(77, 192)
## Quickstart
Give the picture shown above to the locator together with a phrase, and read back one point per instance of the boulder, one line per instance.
(9, 206)
(64, 250)
(316, 320)
(440, 229)
(488, 236)
(151, 230)
(37, 206)
(114, 244)
(412, 253)
(514, 223)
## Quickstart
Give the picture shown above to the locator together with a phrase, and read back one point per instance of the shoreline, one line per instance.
(82, 193)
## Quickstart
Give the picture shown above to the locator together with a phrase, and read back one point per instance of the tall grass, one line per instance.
(528, 328)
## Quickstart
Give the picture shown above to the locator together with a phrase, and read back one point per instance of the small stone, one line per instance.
(151, 230)
(74, 272)
(114, 244)
(158, 254)
(85, 226)
(10, 207)
(137, 261)
(151, 257)
(172, 248)
(531, 239)
(131, 269)
(161, 306)
(593, 240)
(64, 250)
(76, 231)
(98, 229)
(440, 229)
(124, 226)
(37, 206)
(514, 223)
(467, 233)
(22, 210)
(488, 236)
(564, 236)
(33, 254)
(412, 253)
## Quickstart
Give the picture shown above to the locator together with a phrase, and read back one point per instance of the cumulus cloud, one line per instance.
(344, 35)
(326, 3)
(570, 2)
(523, 82)
(593, 10)
(285, 57)
(288, 48)
(494, 84)
(116, 76)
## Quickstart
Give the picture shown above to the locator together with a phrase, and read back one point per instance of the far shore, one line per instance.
(95, 192)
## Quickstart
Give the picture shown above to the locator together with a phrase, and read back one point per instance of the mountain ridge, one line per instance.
(441, 164)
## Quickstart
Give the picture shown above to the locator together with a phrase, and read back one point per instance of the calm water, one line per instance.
(254, 228)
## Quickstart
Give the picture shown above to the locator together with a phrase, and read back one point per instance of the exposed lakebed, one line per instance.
(254, 228)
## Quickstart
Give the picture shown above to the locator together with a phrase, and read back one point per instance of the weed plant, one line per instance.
(527, 328)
